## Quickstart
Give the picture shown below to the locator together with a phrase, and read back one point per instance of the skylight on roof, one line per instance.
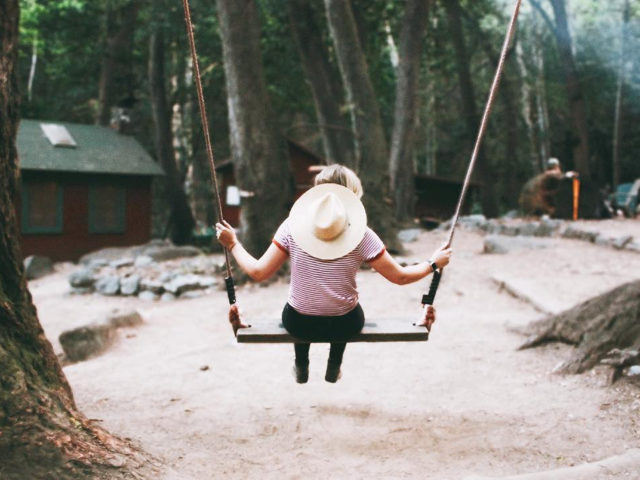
(58, 135)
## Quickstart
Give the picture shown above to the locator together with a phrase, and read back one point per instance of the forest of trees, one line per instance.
(387, 87)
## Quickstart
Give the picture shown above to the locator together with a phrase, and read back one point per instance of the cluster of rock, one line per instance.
(158, 270)
(508, 226)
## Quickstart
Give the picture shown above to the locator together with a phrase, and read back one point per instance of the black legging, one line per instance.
(312, 328)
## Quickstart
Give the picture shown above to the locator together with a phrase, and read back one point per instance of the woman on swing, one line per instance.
(327, 239)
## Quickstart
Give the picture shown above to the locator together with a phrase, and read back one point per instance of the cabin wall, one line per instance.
(75, 239)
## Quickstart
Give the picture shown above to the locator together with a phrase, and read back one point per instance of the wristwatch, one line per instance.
(434, 266)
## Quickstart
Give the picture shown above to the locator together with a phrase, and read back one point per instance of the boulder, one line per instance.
(167, 297)
(109, 285)
(409, 235)
(147, 296)
(154, 286)
(124, 318)
(36, 266)
(82, 278)
(622, 242)
(143, 261)
(185, 283)
(505, 244)
(130, 285)
(85, 342)
(170, 252)
(574, 233)
(121, 262)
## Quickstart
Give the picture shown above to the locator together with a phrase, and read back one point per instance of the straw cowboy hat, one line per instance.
(328, 221)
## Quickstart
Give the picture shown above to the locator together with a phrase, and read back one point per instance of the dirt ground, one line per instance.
(464, 403)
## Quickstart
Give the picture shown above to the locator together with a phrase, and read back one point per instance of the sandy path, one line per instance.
(466, 402)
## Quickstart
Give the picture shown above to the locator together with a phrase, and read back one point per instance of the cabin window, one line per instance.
(106, 209)
(41, 207)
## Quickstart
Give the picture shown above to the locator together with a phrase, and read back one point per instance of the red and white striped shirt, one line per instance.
(325, 287)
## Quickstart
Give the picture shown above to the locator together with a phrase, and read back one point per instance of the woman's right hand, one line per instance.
(442, 256)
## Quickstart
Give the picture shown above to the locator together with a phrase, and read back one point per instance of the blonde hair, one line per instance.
(342, 176)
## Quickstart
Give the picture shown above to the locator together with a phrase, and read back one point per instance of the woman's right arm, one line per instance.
(258, 269)
(396, 273)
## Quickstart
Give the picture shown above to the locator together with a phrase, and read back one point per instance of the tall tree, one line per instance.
(42, 434)
(621, 80)
(372, 148)
(577, 108)
(258, 149)
(326, 91)
(407, 106)
(181, 217)
(462, 61)
(116, 56)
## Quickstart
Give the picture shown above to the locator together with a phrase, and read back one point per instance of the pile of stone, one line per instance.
(509, 226)
(158, 270)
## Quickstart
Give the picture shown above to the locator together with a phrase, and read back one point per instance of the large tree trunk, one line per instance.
(597, 326)
(372, 149)
(472, 120)
(259, 152)
(181, 219)
(326, 92)
(574, 90)
(407, 106)
(116, 55)
(42, 435)
(618, 108)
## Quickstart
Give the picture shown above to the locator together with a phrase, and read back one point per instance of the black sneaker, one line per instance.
(301, 373)
(333, 372)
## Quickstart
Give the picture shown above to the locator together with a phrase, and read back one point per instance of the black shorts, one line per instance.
(317, 328)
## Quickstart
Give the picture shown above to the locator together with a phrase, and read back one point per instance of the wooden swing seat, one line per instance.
(378, 330)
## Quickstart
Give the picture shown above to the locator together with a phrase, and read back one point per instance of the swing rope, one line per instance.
(234, 314)
(429, 297)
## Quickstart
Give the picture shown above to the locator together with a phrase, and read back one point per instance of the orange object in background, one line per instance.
(576, 196)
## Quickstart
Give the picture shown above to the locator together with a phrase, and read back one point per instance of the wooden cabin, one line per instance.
(84, 187)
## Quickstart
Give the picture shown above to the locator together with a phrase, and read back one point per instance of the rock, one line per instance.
(166, 277)
(36, 266)
(154, 286)
(473, 221)
(528, 229)
(109, 285)
(504, 244)
(409, 235)
(604, 241)
(167, 297)
(121, 262)
(97, 263)
(634, 246)
(571, 232)
(124, 318)
(85, 342)
(82, 278)
(620, 243)
(130, 285)
(192, 294)
(143, 261)
(633, 371)
(185, 283)
(162, 253)
(147, 295)
(511, 214)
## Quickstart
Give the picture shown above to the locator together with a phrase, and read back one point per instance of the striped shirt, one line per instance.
(325, 287)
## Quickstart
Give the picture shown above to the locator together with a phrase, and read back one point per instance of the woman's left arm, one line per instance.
(396, 273)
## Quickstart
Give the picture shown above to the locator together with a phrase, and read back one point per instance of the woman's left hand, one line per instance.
(226, 235)
(427, 317)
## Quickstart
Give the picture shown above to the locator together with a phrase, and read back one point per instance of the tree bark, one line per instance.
(326, 92)
(577, 111)
(117, 52)
(472, 121)
(597, 326)
(258, 149)
(371, 144)
(618, 108)
(181, 219)
(42, 434)
(407, 106)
